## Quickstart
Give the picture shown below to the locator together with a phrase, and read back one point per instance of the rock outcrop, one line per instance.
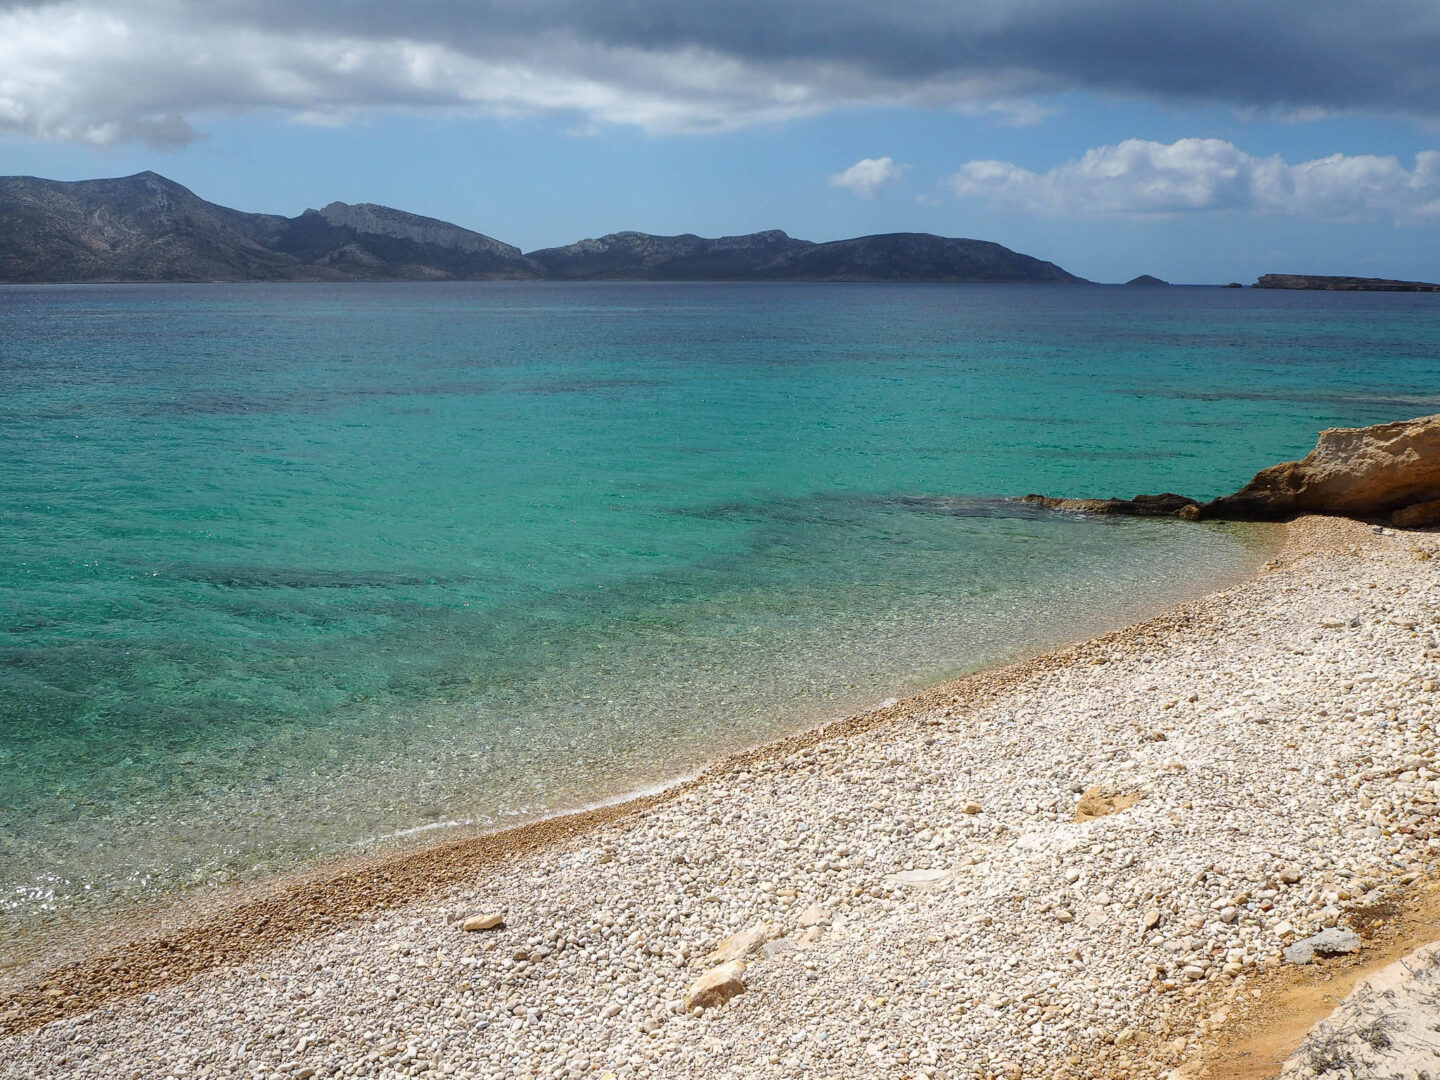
(1369, 473)
(1385, 472)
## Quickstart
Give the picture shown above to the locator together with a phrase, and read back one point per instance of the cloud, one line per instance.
(1138, 178)
(869, 176)
(108, 70)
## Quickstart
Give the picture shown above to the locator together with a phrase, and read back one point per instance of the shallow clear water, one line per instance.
(287, 568)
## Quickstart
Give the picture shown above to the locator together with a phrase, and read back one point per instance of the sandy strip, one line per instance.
(930, 905)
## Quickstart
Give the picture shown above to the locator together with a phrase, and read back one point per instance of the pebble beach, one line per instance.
(1081, 865)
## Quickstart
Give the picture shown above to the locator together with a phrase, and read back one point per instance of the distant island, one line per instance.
(1342, 284)
(146, 228)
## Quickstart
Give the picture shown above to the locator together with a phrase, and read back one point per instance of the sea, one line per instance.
(292, 572)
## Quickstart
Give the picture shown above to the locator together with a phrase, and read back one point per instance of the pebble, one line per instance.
(483, 922)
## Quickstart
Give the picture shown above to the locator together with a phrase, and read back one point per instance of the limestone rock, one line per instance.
(716, 986)
(740, 945)
(1353, 472)
(815, 915)
(1100, 801)
(1385, 1027)
(1417, 515)
(483, 922)
(1331, 942)
(1385, 471)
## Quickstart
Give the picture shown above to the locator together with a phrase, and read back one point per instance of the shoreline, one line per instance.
(91, 940)
(159, 942)
(592, 854)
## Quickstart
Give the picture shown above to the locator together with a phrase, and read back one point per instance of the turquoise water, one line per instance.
(284, 569)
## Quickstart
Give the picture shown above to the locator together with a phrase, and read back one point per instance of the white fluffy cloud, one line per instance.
(869, 176)
(1139, 178)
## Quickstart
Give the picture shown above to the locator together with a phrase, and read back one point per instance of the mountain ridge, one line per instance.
(148, 228)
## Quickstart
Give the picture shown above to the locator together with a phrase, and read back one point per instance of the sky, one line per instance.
(1197, 142)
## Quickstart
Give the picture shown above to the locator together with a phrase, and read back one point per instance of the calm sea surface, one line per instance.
(286, 569)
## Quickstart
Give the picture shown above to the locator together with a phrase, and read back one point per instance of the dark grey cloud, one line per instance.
(1339, 54)
(104, 70)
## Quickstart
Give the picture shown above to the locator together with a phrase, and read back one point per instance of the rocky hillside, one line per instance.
(148, 228)
(369, 242)
(774, 256)
(637, 256)
(140, 228)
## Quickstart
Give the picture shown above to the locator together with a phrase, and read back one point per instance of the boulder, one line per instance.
(1100, 801)
(1332, 942)
(716, 986)
(1366, 472)
(738, 946)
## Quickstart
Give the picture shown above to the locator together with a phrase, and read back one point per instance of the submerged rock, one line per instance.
(1166, 504)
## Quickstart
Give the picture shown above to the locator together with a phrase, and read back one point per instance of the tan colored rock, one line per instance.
(1417, 515)
(815, 915)
(971, 807)
(716, 986)
(811, 936)
(483, 922)
(740, 945)
(1353, 472)
(1101, 801)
